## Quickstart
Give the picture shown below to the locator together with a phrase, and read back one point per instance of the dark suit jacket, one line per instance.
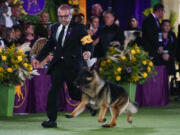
(150, 32)
(71, 52)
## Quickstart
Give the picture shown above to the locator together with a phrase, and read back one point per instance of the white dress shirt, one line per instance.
(64, 35)
(8, 21)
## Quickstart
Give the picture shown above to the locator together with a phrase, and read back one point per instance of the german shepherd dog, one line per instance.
(100, 94)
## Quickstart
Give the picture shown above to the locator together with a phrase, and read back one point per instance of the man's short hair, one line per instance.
(97, 5)
(165, 21)
(158, 6)
(109, 12)
(64, 7)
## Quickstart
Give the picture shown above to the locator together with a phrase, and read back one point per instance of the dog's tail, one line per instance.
(132, 107)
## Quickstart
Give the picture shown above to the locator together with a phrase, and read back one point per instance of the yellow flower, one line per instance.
(9, 70)
(138, 50)
(19, 58)
(119, 69)
(133, 52)
(115, 72)
(3, 58)
(144, 62)
(133, 59)
(1, 69)
(148, 69)
(0, 50)
(118, 78)
(30, 67)
(150, 63)
(20, 51)
(123, 57)
(25, 65)
(135, 78)
(13, 61)
(100, 69)
(103, 63)
(145, 74)
(108, 60)
(111, 48)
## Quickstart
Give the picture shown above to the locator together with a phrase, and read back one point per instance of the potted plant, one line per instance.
(14, 70)
(126, 67)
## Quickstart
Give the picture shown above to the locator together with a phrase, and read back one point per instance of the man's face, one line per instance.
(166, 27)
(97, 10)
(161, 13)
(64, 16)
(108, 19)
(44, 17)
(18, 12)
(133, 23)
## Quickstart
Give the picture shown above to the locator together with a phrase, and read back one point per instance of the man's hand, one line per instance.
(35, 63)
(165, 57)
(86, 55)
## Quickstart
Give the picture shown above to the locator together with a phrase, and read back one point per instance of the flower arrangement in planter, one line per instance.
(128, 65)
(14, 67)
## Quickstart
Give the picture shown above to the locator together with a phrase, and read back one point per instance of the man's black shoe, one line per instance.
(49, 124)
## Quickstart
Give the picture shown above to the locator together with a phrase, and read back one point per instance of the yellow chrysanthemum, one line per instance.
(133, 52)
(25, 65)
(108, 60)
(3, 58)
(118, 78)
(138, 50)
(150, 63)
(145, 74)
(19, 58)
(119, 69)
(30, 67)
(133, 59)
(100, 69)
(148, 69)
(1, 69)
(144, 62)
(20, 51)
(123, 57)
(135, 78)
(0, 50)
(103, 63)
(9, 70)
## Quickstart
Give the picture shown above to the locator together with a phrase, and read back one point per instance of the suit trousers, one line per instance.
(61, 73)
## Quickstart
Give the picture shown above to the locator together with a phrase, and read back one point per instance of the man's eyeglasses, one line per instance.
(65, 16)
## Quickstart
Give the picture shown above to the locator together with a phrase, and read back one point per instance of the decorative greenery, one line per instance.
(128, 65)
(147, 11)
(173, 18)
(14, 66)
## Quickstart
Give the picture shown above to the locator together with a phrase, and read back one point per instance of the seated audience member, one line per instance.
(10, 37)
(2, 35)
(38, 45)
(93, 29)
(43, 29)
(169, 43)
(133, 24)
(109, 33)
(16, 15)
(18, 35)
(5, 4)
(5, 19)
(78, 18)
(97, 10)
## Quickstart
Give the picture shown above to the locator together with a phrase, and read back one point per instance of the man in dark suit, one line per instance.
(72, 44)
(150, 32)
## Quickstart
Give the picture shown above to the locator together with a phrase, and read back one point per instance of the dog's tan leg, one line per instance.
(80, 108)
(129, 117)
(102, 113)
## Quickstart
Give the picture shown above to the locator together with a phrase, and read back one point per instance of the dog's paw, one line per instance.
(103, 120)
(130, 121)
(68, 116)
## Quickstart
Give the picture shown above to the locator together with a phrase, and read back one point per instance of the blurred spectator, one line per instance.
(133, 24)
(78, 18)
(97, 10)
(16, 15)
(6, 5)
(2, 31)
(43, 29)
(18, 35)
(109, 33)
(10, 37)
(5, 19)
(169, 43)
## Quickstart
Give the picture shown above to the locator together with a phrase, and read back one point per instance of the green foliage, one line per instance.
(173, 18)
(128, 65)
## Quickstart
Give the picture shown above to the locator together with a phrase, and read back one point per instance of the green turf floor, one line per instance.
(148, 121)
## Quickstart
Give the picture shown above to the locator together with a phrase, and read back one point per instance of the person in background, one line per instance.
(97, 10)
(169, 45)
(18, 35)
(133, 24)
(6, 5)
(151, 32)
(2, 35)
(43, 29)
(109, 33)
(10, 37)
(16, 15)
(78, 18)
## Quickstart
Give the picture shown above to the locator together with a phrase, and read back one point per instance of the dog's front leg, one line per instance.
(80, 108)
(102, 113)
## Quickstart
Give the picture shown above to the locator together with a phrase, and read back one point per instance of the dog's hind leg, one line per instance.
(102, 113)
